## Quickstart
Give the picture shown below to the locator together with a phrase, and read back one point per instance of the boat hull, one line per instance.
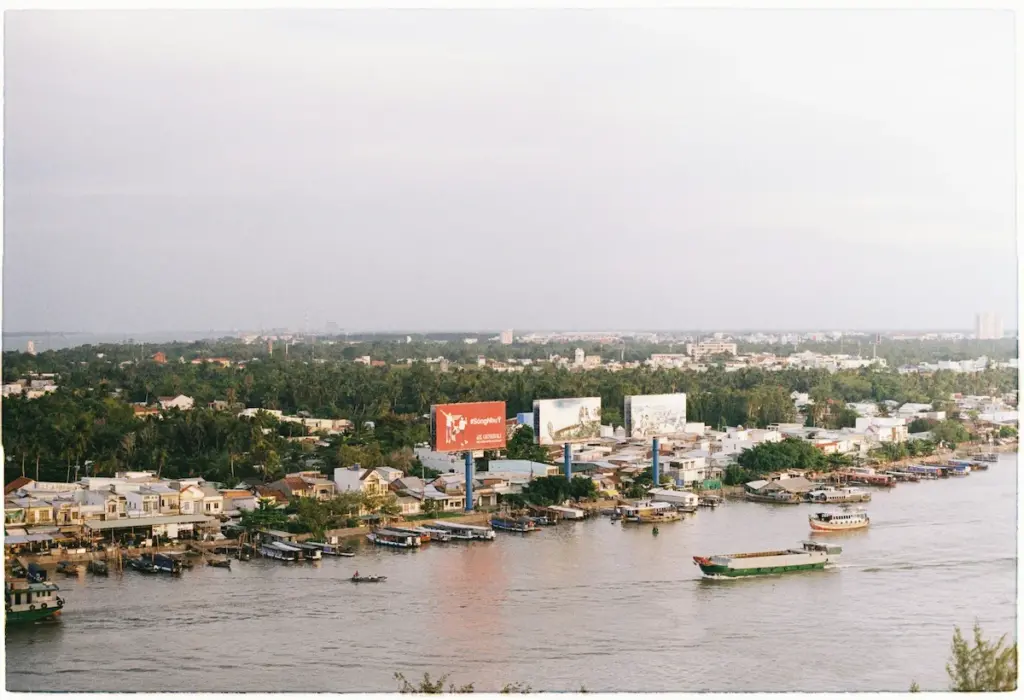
(27, 616)
(719, 571)
(819, 526)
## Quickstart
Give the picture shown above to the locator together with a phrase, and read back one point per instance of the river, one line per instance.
(597, 604)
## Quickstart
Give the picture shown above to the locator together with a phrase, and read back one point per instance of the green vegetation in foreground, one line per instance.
(983, 667)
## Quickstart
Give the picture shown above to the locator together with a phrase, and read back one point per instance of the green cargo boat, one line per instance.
(810, 556)
(26, 601)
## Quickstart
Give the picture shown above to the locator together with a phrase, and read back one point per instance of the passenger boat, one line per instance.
(514, 524)
(97, 567)
(280, 551)
(811, 556)
(356, 578)
(777, 497)
(309, 552)
(925, 471)
(31, 601)
(847, 519)
(844, 494)
(867, 477)
(331, 550)
(424, 536)
(650, 512)
(544, 520)
(904, 476)
(959, 469)
(391, 538)
(464, 532)
(66, 567)
(435, 535)
(988, 457)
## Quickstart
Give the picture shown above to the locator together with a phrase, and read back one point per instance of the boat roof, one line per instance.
(281, 546)
(460, 526)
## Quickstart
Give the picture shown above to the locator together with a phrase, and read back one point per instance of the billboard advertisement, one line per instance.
(655, 415)
(556, 421)
(464, 427)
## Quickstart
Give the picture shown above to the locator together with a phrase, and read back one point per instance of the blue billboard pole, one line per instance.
(654, 463)
(567, 459)
(469, 482)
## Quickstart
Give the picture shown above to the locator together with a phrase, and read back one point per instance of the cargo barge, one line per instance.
(811, 556)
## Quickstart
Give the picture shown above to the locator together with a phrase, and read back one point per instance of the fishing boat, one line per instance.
(902, 476)
(97, 567)
(810, 556)
(514, 524)
(847, 519)
(35, 573)
(142, 566)
(925, 471)
(31, 601)
(709, 501)
(219, 563)
(67, 568)
(356, 578)
(988, 457)
(959, 469)
(163, 563)
(280, 551)
(391, 538)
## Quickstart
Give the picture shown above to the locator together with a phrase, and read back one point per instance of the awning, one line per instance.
(15, 531)
(25, 539)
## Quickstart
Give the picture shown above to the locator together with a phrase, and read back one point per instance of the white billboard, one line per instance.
(655, 415)
(556, 421)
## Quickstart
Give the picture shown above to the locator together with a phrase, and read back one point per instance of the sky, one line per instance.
(462, 170)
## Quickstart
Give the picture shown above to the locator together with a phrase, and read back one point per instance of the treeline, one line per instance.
(90, 417)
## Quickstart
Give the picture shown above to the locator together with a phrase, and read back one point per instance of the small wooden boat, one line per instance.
(709, 501)
(98, 567)
(66, 567)
(368, 579)
(219, 563)
(143, 566)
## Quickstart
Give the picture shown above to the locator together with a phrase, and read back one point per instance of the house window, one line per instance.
(208, 507)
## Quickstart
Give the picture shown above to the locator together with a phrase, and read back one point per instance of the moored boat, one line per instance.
(988, 457)
(650, 512)
(811, 556)
(332, 550)
(67, 568)
(163, 563)
(514, 524)
(31, 601)
(98, 567)
(143, 566)
(392, 538)
(219, 563)
(777, 497)
(464, 532)
(846, 519)
(709, 501)
(280, 551)
(843, 494)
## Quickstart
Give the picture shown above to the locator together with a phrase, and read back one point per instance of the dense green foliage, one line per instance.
(950, 433)
(983, 667)
(89, 418)
(921, 425)
(554, 490)
(790, 453)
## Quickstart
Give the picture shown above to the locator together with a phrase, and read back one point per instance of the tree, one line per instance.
(982, 667)
(1006, 431)
(790, 453)
(431, 687)
(264, 517)
(521, 446)
(950, 433)
(921, 425)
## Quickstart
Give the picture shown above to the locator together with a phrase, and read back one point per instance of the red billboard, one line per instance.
(464, 427)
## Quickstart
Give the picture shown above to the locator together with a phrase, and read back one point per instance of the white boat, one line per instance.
(845, 494)
(332, 550)
(391, 538)
(465, 532)
(310, 551)
(846, 519)
(280, 551)
(436, 535)
(566, 513)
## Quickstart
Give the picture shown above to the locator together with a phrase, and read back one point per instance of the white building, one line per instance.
(439, 461)
(580, 356)
(181, 402)
(988, 326)
(506, 337)
(706, 349)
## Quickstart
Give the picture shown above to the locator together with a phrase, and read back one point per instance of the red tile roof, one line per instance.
(17, 484)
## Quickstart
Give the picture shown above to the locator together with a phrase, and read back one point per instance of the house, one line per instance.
(180, 402)
(190, 499)
(883, 429)
(20, 482)
(237, 500)
(142, 411)
(168, 499)
(26, 510)
(410, 505)
(12, 389)
(212, 502)
(271, 496)
(355, 478)
(141, 503)
(389, 474)
(160, 358)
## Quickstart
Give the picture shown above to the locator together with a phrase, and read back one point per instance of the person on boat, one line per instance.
(355, 575)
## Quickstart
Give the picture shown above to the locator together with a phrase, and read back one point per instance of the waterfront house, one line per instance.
(212, 501)
(168, 498)
(141, 503)
(410, 505)
(237, 500)
(25, 510)
(356, 478)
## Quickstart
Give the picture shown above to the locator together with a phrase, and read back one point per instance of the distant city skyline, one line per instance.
(396, 170)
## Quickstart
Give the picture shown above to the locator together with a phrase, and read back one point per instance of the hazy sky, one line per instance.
(542, 169)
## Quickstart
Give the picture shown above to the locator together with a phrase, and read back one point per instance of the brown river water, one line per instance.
(595, 604)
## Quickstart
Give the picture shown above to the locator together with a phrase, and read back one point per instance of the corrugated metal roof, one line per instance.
(146, 522)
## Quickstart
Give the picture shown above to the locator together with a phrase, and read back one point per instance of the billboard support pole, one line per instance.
(469, 482)
(654, 464)
(567, 459)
